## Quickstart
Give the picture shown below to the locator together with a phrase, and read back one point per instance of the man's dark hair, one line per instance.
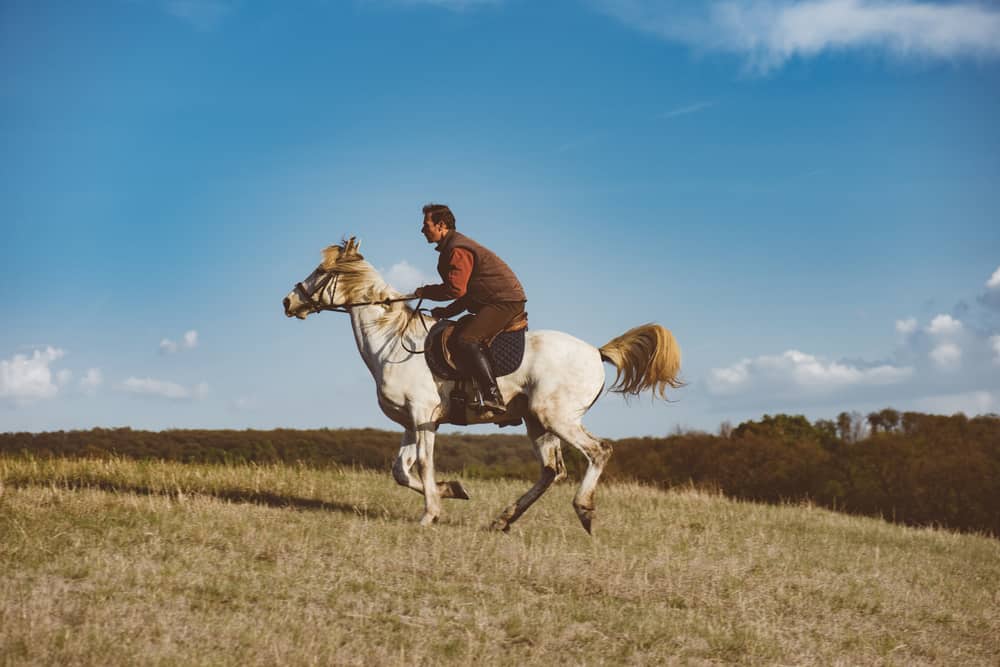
(440, 214)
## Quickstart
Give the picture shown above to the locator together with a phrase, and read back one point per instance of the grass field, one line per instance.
(162, 563)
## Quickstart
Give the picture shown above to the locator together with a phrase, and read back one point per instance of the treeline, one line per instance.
(916, 469)
(907, 467)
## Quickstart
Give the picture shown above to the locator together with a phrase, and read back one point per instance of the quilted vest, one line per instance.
(492, 281)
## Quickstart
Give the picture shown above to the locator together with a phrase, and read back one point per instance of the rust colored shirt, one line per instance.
(456, 277)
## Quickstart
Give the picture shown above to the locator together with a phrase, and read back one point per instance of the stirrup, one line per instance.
(490, 403)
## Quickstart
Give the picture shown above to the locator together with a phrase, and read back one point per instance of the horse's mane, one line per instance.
(362, 282)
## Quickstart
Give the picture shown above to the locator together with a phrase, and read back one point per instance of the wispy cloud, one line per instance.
(405, 277)
(689, 109)
(164, 389)
(91, 381)
(947, 356)
(188, 342)
(771, 32)
(991, 297)
(907, 326)
(24, 378)
(957, 357)
(794, 372)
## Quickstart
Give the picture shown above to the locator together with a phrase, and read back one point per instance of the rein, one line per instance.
(319, 306)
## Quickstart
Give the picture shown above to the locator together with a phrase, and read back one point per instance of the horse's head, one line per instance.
(323, 289)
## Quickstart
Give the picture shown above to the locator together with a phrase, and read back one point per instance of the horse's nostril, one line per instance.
(285, 302)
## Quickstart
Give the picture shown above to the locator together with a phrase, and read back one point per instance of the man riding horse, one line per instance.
(479, 282)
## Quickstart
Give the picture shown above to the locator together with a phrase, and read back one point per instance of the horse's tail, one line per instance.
(647, 357)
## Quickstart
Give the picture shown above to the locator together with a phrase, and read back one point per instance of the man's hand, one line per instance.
(419, 292)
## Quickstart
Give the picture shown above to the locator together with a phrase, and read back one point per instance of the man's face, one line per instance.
(433, 231)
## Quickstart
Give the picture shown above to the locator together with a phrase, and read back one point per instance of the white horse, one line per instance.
(560, 378)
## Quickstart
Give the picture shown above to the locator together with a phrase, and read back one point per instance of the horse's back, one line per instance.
(556, 362)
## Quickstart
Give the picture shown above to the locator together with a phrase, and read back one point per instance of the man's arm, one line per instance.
(453, 308)
(456, 279)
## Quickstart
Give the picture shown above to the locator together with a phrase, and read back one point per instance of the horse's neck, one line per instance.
(379, 343)
(377, 336)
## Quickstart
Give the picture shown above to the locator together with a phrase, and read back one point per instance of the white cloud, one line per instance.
(796, 372)
(24, 378)
(991, 297)
(189, 341)
(994, 281)
(944, 325)
(91, 381)
(164, 389)
(947, 356)
(405, 277)
(995, 344)
(63, 377)
(906, 327)
(771, 32)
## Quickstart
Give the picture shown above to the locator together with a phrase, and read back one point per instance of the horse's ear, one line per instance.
(351, 248)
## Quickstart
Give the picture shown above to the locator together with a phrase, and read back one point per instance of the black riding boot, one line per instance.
(474, 361)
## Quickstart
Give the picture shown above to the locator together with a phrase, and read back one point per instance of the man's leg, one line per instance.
(469, 345)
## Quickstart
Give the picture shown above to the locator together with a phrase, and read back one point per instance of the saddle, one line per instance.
(506, 349)
(505, 354)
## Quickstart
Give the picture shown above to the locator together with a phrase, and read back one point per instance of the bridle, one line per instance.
(316, 306)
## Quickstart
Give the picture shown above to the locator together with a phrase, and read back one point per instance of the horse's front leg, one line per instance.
(401, 470)
(425, 456)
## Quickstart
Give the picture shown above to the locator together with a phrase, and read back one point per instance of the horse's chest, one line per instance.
(394, 408)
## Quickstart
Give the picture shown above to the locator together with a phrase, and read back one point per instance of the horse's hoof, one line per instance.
(500, 525)
(428, 520)
(458, 491)
(586, 515)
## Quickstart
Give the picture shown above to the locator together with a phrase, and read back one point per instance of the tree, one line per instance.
(875, 420)
(844, 426)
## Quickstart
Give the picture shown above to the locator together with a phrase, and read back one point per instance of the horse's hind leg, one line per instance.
(548, 450)
(404, 463)
(597, 452)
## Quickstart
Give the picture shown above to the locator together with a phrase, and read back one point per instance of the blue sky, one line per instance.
(806, 193)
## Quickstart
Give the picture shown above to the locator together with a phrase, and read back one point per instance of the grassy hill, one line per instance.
(111, 562)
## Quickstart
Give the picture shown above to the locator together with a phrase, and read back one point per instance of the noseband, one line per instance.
(310, 299)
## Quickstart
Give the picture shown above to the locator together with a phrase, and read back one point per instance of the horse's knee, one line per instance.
(606, 450)
(401, 472)
(599, 452)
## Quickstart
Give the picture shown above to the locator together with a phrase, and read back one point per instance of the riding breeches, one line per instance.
(488, 322)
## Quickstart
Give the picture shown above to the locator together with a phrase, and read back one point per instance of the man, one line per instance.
(479, 282)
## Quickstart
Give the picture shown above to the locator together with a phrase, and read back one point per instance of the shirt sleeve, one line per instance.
(456, 277)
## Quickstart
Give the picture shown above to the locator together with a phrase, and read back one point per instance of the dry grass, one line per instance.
(163, 563)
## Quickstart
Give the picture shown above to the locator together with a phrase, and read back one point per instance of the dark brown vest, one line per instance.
(492, 281)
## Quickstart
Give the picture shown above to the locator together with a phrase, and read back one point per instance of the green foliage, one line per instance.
(911, 467)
